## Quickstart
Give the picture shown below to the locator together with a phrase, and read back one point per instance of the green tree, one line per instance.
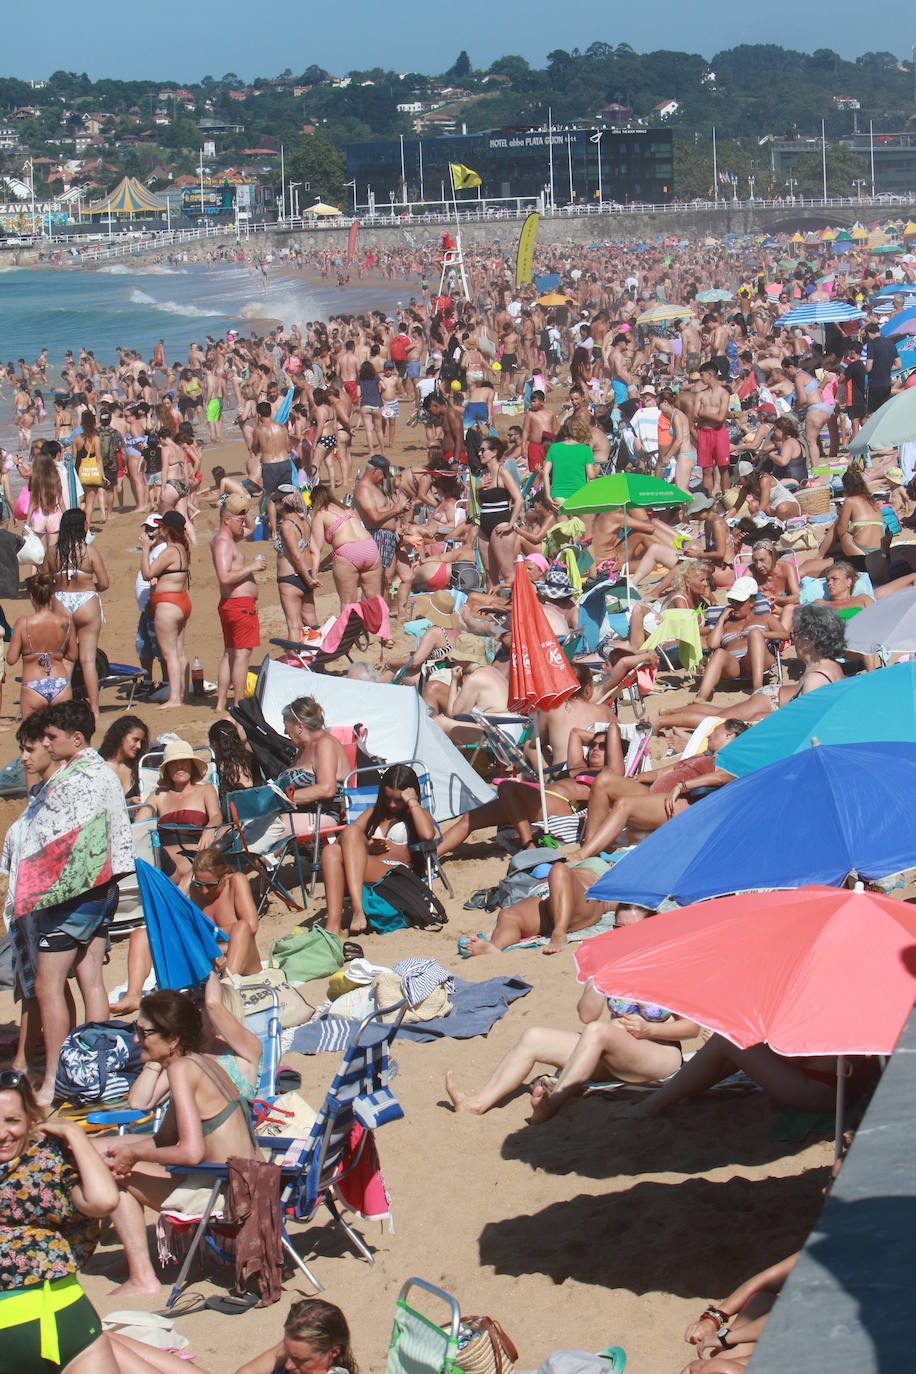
(462, 66)
(315, 160)
(843, 166)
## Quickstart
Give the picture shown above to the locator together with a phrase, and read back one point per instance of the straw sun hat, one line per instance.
(179, 749)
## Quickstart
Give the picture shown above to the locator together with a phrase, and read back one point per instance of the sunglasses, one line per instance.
(144, 1032)
(197, 882)
(11, 1078)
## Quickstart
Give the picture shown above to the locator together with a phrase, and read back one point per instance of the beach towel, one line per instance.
(77, 839)
(475, 1008)
(362, 1189)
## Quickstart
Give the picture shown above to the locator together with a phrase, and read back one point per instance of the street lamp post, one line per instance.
(293, 186)
(858, 183)
(750, 182)
(792, 182)
(201, 166)
(353, 184)
(596, 138)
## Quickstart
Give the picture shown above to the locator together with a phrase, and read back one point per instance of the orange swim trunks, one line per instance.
(238, 615)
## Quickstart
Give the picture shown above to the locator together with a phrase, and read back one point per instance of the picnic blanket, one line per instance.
(475, 1008)
(75, 837)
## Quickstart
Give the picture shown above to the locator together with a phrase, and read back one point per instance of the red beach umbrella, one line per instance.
(812, 971)
(809, 971)
(539, 674)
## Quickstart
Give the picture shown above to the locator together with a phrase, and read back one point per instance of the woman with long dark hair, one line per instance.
(124, 744)
(377, 840)
(80, 576)
(87, 459)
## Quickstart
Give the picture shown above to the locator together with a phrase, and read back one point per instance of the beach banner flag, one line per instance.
(463, 176)
(525, 259)
(351, 241)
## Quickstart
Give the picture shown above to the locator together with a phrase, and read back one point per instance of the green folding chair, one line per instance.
(418, 1344)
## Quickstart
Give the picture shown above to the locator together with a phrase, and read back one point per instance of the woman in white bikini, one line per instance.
(79, 577)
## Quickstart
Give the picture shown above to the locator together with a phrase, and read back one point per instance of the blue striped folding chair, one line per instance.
(360, 790)
(313, 1168)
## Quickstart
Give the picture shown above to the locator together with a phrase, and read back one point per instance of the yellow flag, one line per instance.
(525, 260)
(463, 176)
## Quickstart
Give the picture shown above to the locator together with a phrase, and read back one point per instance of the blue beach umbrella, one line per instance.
(183, 941)
(891, 326)
(820, 312)
(814, 817)
(858, 710)
(548, 281)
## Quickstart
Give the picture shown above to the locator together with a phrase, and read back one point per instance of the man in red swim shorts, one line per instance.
(238, 597)
(713, 448)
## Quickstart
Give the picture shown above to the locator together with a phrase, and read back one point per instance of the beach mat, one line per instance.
(475, 1008)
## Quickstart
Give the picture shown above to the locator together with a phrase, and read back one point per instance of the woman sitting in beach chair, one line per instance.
(639, 1044)
(818, 638)
(378, 840)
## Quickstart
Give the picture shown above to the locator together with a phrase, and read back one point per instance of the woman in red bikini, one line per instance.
(169, 600)
(187, 807)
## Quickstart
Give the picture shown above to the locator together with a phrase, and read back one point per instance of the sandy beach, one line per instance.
(583, 1232)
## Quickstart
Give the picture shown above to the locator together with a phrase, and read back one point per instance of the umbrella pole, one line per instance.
(840, 1106)
(541, 785)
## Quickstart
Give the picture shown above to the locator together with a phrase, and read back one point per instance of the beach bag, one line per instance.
(307, 954)
(409, 896)
(489, 1350)
(520, 881)
(294, 1009)
(31, 550)
(98, 1062)
(21, 508)
(89, 471)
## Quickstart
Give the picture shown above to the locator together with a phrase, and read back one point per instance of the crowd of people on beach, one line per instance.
(770, 539)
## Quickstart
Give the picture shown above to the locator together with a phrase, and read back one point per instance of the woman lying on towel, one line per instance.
(639, 1044)
(207, 1121)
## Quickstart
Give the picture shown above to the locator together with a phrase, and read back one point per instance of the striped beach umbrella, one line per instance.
(820, 312)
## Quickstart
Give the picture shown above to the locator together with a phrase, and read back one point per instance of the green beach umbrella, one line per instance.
(621, 490)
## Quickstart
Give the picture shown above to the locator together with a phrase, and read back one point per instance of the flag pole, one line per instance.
(464, 280)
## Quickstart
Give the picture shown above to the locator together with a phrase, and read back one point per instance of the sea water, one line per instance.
(134, 305)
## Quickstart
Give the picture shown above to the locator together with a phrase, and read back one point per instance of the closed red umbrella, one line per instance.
(539, 675)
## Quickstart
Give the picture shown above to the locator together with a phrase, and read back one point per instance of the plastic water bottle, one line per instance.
(197, 678)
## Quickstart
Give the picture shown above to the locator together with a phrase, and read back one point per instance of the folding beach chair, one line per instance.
(420, 1345)
(314, 1168)
(360, 790)
(258, 807)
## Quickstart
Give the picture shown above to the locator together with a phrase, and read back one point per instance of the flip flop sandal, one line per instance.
(353, 950)
(232, 1304)
(480, 901)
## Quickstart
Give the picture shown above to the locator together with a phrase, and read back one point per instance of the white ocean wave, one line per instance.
(139, 297)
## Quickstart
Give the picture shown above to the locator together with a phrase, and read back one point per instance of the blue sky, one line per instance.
(172, 39)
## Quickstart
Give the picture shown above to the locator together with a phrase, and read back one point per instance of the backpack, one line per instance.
(98, 1062)
(407, 894)
(111, 446)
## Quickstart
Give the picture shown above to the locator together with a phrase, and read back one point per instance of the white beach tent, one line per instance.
(397, 726)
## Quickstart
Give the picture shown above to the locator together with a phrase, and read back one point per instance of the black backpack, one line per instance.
(409, 895)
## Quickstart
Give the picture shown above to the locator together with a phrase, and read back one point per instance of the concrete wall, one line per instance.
(740, 218)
